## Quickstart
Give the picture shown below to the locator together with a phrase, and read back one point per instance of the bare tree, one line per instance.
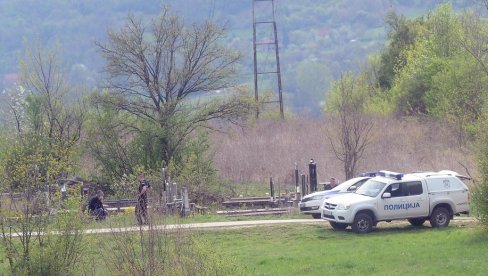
(354, 134)
(43, 79)
(159, 71)
(483, 3)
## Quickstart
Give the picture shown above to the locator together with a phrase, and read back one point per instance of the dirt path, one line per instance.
(234, 224)
(240, 224)
(204, 225)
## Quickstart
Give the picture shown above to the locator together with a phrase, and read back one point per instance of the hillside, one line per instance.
(318, 39)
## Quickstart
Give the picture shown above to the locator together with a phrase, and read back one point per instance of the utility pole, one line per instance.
(260, 24)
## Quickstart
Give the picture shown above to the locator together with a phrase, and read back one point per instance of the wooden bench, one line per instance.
(249, 203)
(254, 212)
(120, 205)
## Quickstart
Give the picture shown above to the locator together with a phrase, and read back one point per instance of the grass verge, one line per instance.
(315, 249)
(390, 250)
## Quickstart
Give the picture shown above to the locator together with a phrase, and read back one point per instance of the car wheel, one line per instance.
(316, 216)
(362, 224)
(440, 217)
(416, 221)
(337, 225)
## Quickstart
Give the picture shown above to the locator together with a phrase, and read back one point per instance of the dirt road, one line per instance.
(225, 224)
(233, 224)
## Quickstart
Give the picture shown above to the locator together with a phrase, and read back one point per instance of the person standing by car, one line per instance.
(333, 182)
(331, 185)
(141, 205)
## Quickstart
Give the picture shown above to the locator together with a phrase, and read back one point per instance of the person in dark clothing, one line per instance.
(95, 206)
(141, 206)
(331, 185)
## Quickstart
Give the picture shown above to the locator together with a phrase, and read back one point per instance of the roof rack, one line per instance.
(451, 173)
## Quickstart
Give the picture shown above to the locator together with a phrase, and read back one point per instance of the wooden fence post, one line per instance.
(271, 187)
(279, 192)
(175, 191)
(297, 184)
(162, 199)
(169, 193)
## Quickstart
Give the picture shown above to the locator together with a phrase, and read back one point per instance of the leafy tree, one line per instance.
(107, 140)
(195, 169)
(444, 72)
(376, 99)
(480, 191)
(401, 35)
(475, 38)
(166, 75)
(428, 57)
(458, 94)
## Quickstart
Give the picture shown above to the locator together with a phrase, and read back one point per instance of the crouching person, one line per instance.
(95, 207)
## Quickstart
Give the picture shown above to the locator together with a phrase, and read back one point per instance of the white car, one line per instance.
(310, 204)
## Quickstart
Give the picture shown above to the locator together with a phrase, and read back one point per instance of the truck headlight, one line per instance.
(343, 206)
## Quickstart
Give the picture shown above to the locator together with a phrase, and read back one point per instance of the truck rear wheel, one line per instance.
(416, 221)
(440, 217)
(337, 225)
(362, 224)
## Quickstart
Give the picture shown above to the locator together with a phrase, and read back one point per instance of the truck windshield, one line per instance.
(371, 188)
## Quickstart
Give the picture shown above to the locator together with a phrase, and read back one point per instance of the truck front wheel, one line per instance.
(362, 224)
(440, 217)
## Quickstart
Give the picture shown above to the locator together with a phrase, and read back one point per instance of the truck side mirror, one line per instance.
(386, 195)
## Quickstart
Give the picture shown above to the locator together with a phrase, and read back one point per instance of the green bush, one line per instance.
(480, 191)
(57, 250)
(161, 252)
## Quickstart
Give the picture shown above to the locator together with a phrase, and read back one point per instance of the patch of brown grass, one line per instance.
(271, 148)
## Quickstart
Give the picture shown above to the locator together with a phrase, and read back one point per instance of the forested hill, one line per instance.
(318, 39)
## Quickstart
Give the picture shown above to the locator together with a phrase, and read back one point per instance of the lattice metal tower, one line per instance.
(261, 23)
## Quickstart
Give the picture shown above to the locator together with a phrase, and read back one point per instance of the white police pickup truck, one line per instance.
(436, 196)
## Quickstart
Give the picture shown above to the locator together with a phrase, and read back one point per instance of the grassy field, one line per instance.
(316, 249)
(389, 250)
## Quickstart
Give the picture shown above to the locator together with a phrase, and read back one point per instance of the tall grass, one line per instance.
(271, 148)
(154, 250)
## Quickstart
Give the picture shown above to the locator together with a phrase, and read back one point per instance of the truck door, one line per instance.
(407, 200)
(391, 208)
(417, 199)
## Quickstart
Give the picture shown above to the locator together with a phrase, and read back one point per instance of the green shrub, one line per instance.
(480, 191)
(159, 251)
(59, 252)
